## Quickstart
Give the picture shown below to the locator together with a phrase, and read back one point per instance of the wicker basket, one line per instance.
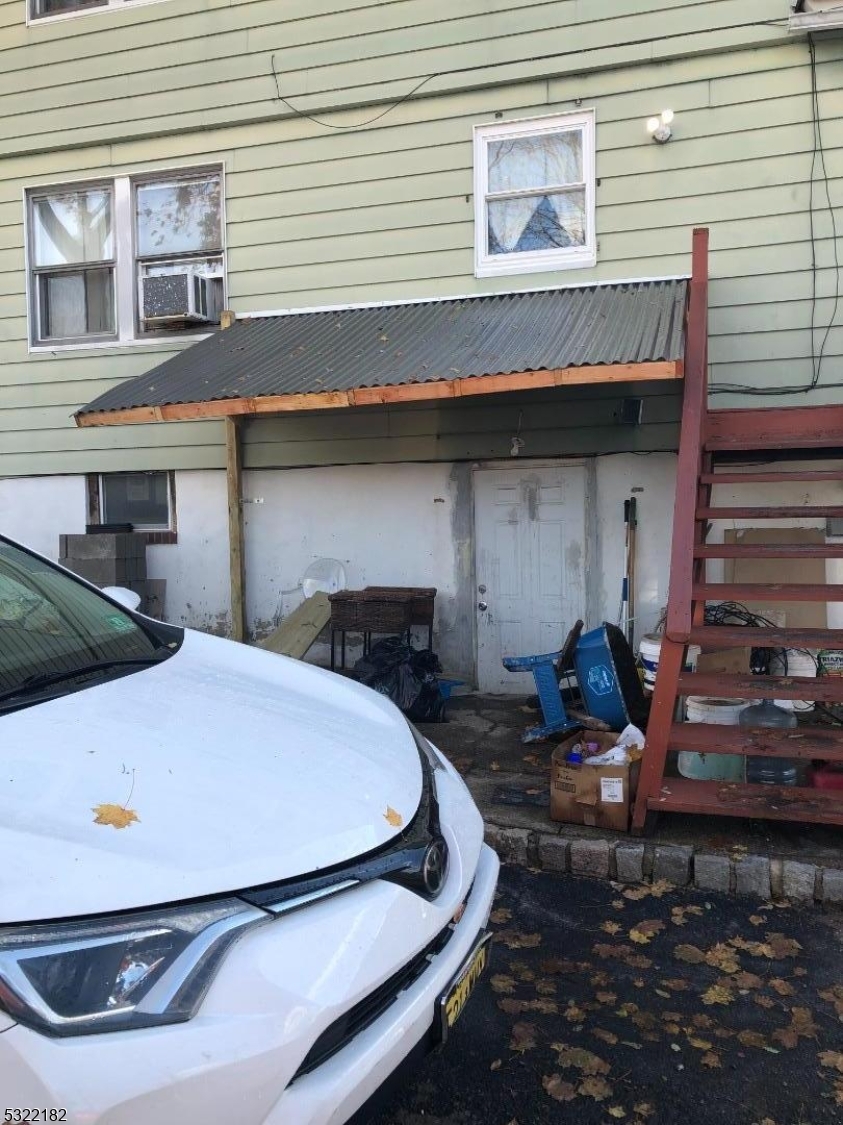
(420, 598)
(368, 612)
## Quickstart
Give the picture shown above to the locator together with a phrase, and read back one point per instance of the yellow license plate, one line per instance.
(454, 999)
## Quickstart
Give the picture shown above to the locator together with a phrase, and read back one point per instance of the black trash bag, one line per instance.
(405, 675)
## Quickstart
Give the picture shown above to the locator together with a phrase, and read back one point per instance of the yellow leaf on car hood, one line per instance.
(115, 815)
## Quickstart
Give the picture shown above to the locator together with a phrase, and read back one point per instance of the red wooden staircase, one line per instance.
(708, 438)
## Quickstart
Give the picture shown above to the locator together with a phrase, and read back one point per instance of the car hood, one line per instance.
(241, 768)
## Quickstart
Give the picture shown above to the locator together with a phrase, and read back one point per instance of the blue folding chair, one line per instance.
(546, 670)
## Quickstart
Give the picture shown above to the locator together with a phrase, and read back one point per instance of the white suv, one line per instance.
(234, 888)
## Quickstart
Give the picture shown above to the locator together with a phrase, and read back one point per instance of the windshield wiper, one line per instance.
(33, 684)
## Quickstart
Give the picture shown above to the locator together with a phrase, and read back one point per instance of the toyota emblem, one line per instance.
(434, 865)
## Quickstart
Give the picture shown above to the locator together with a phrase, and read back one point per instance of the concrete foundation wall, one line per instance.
(37, 510)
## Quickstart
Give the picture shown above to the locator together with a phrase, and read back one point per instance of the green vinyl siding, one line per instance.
(384, 212)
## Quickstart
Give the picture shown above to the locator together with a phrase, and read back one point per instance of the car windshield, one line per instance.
(54, 630)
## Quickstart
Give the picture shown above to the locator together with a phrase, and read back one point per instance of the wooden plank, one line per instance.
(769, 550)
(761, 591)
(795, 511)
(774, 477)
(767, 802)
(693, 416)
(727, 636)
(410, 392)
(739, 685)
(804, 743)
(299, 629)
(798, 427)
(236, 561)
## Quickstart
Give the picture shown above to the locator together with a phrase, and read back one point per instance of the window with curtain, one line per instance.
(534, 195)
(72, 249)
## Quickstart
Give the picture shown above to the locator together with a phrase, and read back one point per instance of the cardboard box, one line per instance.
(599, 796)
(724, 660)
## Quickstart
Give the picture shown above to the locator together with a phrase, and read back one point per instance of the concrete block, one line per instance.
(90, 546)
(798, 880)
(752, 876)
(712, 872)
(554, 852)
(102, 572)
(832, 885)
(590, 857)
(673, 864)
(156, 594)
(510, 843)
(630, 862)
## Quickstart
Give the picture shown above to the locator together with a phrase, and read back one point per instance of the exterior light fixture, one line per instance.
(659, 127)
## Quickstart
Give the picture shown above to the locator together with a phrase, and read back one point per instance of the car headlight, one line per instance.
(145, 969)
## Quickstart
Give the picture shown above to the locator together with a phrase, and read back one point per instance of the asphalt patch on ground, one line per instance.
(647, 1005)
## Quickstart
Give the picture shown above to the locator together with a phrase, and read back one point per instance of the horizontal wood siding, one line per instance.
(317, 216)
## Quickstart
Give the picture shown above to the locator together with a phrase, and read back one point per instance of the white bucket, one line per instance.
(649, 651)
(713, 767)
(800, 662)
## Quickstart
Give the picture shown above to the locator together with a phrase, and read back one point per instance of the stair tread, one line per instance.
(764, 636)
(743, 685)
(768, 551)
(784, 427)
(769, 512)
(767, 802)
(761, 591)
(804, 742)
(773, 477)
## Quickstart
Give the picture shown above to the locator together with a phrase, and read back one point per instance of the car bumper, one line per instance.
(280, 987)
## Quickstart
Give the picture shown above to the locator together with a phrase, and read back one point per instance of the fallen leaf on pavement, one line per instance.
(723, 958)
(689, 954)
(752, 1039)
(516, 940)
(702, 1020)
(757, 919)
(580, 1059)
(764, 1002)
(523, 1037)
(717, 994)
(700, 1044)
(618, 904)
(781, 986)
(610, 928)
(502, 983)
(676, 984)
(746, 981)
(556, 1088)
(711, 1060)
(616, 1111)
(597, 1088)
(558, 966)
(801, 1026)
(494, 766)
(643, 1109)
(546, 987)
(606, 1036)
(834, 995)
(644, 932)
(501, 915)
(606, 997)
(496, 1065)
(832, 1059)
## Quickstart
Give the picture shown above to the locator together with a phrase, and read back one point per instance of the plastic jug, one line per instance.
(769, 771)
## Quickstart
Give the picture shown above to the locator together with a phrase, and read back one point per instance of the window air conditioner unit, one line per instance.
(180, 297)
(816, 15)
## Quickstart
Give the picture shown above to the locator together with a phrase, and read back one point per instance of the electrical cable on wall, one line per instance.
(817, 152)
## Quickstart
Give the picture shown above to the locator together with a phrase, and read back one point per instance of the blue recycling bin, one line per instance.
(598, 678)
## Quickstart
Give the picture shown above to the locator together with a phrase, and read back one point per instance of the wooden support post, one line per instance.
(234, 480)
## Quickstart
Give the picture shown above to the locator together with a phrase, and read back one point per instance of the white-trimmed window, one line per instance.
(125, 259)
(534, 195)
(146, 501)
(52, 9)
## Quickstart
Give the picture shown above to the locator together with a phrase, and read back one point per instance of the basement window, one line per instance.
(144, 500)
(534, 195)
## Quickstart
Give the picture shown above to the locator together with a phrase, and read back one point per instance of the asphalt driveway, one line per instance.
(644, 1005)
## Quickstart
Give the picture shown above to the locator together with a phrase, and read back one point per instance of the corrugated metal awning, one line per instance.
(429, 349)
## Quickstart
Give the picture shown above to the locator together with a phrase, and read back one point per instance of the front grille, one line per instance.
(357, 1019)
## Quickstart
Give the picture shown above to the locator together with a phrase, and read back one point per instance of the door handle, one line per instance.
(482, 606)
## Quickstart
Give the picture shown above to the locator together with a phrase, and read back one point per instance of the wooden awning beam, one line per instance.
(370, 396)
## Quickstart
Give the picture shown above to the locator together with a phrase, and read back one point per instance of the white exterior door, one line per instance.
(530, 540)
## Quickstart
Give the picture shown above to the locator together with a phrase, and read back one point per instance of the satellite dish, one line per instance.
(325, 576)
